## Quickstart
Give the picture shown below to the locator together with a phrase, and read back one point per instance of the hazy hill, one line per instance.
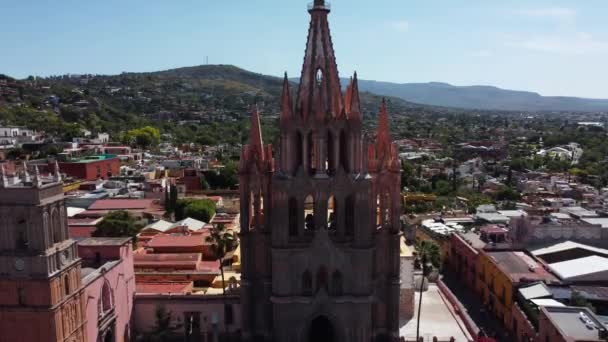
(115, 102)
(480, 97)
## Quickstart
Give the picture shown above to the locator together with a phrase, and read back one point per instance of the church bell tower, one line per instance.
(320, 226)
(41, 297)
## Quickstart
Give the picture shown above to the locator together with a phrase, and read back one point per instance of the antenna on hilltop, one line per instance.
(206, 60)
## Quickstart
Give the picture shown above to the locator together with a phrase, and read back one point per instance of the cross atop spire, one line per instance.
(319, 5)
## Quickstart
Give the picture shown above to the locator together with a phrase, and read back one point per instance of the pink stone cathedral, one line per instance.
(320, 215)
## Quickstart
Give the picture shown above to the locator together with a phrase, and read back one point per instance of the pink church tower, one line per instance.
(41, 293)
(320, 228)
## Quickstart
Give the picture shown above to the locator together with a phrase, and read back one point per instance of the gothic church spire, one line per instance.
(319, 93)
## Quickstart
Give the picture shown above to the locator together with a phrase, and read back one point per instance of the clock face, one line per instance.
(64, 257)
(19, 264)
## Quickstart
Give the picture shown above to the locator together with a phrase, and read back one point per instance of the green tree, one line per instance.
(144, 137)
(170, 199)
(443, 188)
(199, 209)
(429, 251)
(506, 193)
(117, 224)
(226, 178)
(576, 299)
(221, 242)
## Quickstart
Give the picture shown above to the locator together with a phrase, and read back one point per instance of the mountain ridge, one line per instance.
(439, 94)
(480, 97)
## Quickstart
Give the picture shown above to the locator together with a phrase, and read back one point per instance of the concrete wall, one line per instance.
(210, 308)
(406, 292)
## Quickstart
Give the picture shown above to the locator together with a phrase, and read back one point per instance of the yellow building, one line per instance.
(499, 274)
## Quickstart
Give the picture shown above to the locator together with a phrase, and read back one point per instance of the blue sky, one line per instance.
(552, 47)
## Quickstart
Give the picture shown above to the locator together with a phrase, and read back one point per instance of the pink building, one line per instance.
(464, 252)
(109, 284)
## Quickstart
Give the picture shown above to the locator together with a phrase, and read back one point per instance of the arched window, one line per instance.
(56, 226)
(332, 214)
(319, 76)
(66, 285)
(251, 211)
(336, 283)
(22, 237)
(378, 211)
(309, 213)
(330, 164)
(307, 283)
(344, 152)
(261, 202)
(349, 216)
(312, 165)
(106, 297)
(21, 295)
(293, 217)
(386, 208)
(299, 152)
(322, 278)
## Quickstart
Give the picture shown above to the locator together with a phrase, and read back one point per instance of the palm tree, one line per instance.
(430, 251)
(221, 242)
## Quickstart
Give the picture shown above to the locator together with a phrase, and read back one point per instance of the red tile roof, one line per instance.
(122, 204)
(163, 260)
(209, 266)
(89, 221)
(163, 240)
(81, 232)
(172, 287)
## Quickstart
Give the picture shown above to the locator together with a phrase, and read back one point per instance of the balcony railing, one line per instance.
(325, 6)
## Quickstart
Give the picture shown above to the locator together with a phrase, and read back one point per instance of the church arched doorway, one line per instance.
(321, 330)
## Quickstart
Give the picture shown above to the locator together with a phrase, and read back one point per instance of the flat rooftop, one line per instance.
(576, 323)
(104, 241)
(437, 319)
(89, 159)
(580, 267)
(473, 239)
(518, 265)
